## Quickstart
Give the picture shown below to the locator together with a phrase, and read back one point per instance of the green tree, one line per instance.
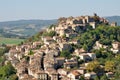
(117, 68)
(93, 66)
(51, 33)
(96, 78)
(50, 27)
(82, 78)
(109, 66)
(66, 54)
(31, 52)
(85, 47)
(7, 71)
(13, 77)
(104, 77)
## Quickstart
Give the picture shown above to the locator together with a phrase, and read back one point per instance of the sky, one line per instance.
(53, 9)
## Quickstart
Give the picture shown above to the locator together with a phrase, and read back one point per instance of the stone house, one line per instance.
(14, 61)
(52, 73)
(71, 35)
(26, 77)
(49, 62)
(74, 75)
(70, 64)
(54, 76)
(77, 52)
(82, 70)
(75, 41)
(62, 72)
(53, 52)
(87, 56)
(110, 75)
(93, 24)
(48, 40)
(41, 75)
(64, 46)
(18, 48)
(76, 28)
(116, 47)
(92, 55)
(113, 24)
(56, 38)
(89, 19)
(36, 44)
(76, 21)
(98, 45)
(61, 32)
(35, 64)
(70, 21)
(84, 57)
(20, 56)
(60, 61)
(90, 75)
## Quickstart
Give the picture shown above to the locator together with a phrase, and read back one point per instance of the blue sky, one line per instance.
(52, 9)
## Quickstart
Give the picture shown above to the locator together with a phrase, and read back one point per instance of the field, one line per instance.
(10, 41)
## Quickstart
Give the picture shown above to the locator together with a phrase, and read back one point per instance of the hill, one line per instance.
(114, 19)
(85, 43)
(23, 28)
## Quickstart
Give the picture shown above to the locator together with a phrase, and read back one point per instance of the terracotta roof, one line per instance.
(76, 73)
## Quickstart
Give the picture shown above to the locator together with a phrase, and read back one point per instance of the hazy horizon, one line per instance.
(46, 10)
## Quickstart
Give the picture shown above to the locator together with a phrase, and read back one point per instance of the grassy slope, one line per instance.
(10, 41)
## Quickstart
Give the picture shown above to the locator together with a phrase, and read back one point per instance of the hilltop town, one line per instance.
(60, 53)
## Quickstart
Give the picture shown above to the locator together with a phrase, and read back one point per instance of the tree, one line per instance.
(13, 77)
(66, 54)
(7, 71)
(52, 33)
(96, 78)
(117, 68)
(93, 66)
(85, 47)
(117, 75)
(31, 52)
(104, 77)
(82, 78)
(109, 66)
(50, 27)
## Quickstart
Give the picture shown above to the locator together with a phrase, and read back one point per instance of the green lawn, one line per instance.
(10, 41)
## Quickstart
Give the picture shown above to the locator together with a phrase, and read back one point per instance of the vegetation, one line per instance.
(51, 33)
(104, 77)
(31, 52)
(93, 66)
(10, 41)
(23, 28)
(104, 34)
(109, 66)
(65, 54)
(7, 72)
(51, 26)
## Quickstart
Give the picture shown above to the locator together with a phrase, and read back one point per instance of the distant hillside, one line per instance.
(23, 28)
(114, 19)
(27, 22)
